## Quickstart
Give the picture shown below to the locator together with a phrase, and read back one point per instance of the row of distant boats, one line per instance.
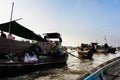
(106, 71)
(94, 48)
(105, 48)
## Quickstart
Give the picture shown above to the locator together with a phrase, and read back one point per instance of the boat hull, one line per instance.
(16, 68)
(108, 50)
(7, 46)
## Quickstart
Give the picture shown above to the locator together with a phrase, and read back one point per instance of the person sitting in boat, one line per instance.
(3, 34)
(10, 36)
(56, 52)
(59, 52)
(10, 56)
(36, 49)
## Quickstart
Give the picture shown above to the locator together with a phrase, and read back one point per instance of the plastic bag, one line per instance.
(27, 58)
(34, 58)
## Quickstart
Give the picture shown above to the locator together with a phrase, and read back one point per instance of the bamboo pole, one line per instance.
(11, 16)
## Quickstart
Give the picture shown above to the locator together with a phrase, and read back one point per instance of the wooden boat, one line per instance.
(18, 48)
(7, 46)
(87, 54)
(15, 46)
(109, 70)
(82, 53)
(102, 50)
(13, 69)
(107, 50)
(118, 49)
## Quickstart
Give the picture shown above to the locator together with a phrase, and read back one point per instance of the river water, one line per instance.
(75, 68)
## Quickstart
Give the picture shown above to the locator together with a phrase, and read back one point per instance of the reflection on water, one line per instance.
(75, 67)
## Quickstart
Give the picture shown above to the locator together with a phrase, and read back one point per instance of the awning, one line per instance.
(52, 35)
(20, 31)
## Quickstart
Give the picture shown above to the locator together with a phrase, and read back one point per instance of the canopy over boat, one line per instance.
(19, 30)
(52, 35)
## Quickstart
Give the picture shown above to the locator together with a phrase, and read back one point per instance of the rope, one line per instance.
(72, 54)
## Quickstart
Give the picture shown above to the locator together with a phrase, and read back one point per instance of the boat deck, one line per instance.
(113, 73)
(117, 77)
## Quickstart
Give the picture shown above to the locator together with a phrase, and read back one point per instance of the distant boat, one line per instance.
(105, 49)
(118, 49)
(108, 50)
(18, 49)
(106, 71)
(87, 54)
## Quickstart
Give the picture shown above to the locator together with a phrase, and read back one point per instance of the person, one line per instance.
(45, 38)
(57, 52)
(10, 57)
(10, 36)
(106, 45)
(3, 34)
(37, 49)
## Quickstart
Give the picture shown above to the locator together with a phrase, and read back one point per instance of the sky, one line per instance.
(78, 21)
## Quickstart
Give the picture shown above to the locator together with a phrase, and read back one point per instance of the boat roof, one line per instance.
(52, 35)
(19, 30)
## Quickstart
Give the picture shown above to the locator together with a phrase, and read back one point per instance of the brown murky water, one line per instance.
(75, 68)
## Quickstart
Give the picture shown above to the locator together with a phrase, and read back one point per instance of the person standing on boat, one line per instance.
(10, 36)
(3, 34)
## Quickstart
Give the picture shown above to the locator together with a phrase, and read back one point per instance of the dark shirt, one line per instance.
(58, 52)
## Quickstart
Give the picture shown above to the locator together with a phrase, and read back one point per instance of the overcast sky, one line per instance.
(78, 21)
